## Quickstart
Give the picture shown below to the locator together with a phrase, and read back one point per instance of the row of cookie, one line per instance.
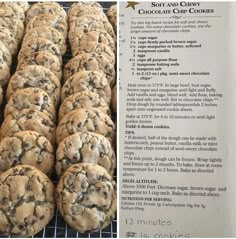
(15, 183)
(31, 147)
(86, 97)
(86, 92)
(12, 17)
(86, 194)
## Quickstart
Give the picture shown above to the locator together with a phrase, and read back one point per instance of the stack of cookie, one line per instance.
(85, 134)
(12, 17)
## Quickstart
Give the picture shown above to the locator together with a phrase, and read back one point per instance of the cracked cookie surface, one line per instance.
(94, 37)
(14, 25)
(13, 8)
(31, 98)
(86, 197)
(28, 119)
(85, 120)
(90, 22)
(54, 21)
(48, 33)
(37, 77)
(90, 62)
(94, 81)
(27, 201)
(27, 147)
(52, 8)
(39, 44)
(45, 59)
(85, 148)
(84, 8)
(100, 48)
(83, 99)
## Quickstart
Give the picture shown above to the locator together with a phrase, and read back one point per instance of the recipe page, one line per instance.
(177, 119)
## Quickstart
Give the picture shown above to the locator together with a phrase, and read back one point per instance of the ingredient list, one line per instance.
(176, 119)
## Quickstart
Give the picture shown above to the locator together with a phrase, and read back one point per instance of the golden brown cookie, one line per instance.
(48, 33)
(27, 201)
(28, 119)
(39, 8)
(27, 147)
(31, 98)
(36, 77)
(49, 20)
(42, 58)
(90, 62)
(85, 148)
(86, 197)
(94, 81)
(83, 99)
(85, 120)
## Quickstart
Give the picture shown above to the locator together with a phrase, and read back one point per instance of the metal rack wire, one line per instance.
(57, 227)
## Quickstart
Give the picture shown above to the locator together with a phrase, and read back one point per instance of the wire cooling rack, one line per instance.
(57, 227)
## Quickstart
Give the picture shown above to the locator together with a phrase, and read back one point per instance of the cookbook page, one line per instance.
(177, 104)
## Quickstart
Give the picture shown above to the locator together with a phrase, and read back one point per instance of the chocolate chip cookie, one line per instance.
(86, 197)
(94, 37)
(7, 38)
(27, 201)
(31, 98)
(45, 59)
(94, 81)
(85, 148)
(49, 20)
(90, 62)
(39, 44)
(48, 33)
(84, 8)
(88, 23)
(100, 48)
(13, 8)
(85, 120)
(45, 8)
(83, 99)
(28, 119)
(36, 77)
(14, 25)
(27, 147)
